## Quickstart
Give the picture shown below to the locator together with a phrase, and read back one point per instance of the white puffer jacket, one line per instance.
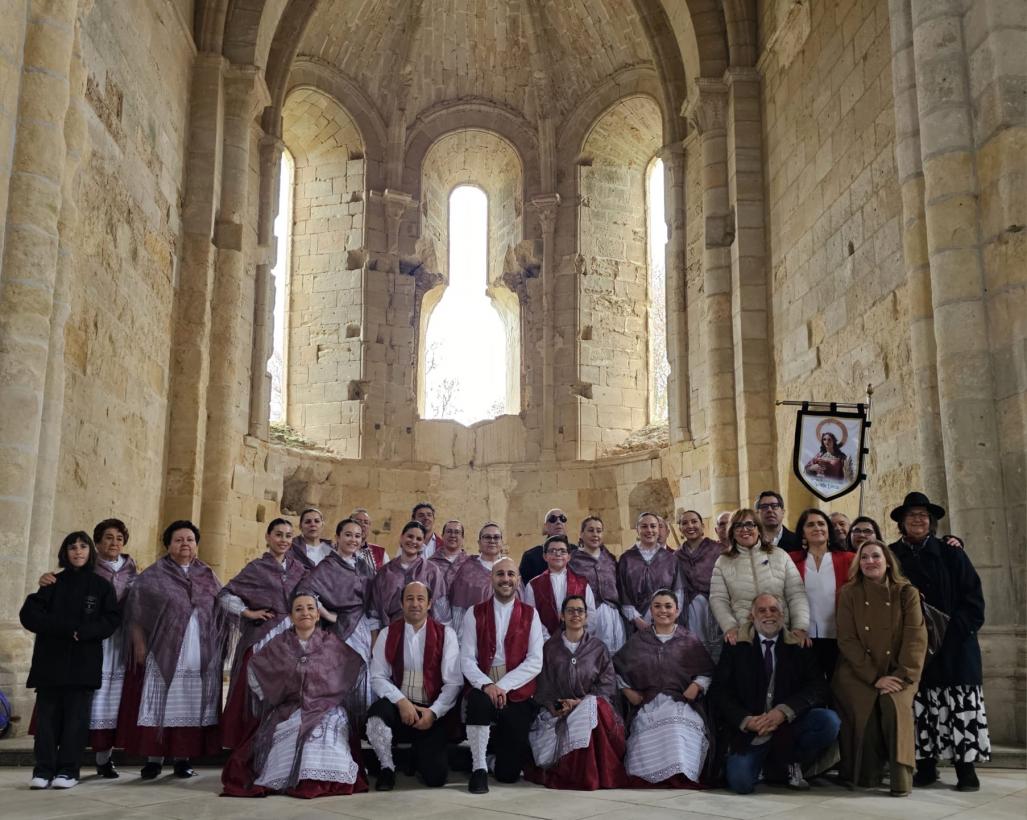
(738, 579)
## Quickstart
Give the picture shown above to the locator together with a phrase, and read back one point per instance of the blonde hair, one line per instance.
(893, 570)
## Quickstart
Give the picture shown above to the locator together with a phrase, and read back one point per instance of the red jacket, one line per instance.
(841, 560)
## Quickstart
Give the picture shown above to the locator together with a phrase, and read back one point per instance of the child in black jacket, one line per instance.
(71, 618)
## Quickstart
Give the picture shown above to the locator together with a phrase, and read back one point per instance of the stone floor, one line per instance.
(1003, 796)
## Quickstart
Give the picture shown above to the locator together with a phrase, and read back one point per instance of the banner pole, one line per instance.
(866, 441)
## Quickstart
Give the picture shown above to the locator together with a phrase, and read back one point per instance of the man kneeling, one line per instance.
(773, 694)
(500, 655)
(415, 672)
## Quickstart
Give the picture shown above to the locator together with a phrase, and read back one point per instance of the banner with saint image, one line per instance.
(829, 448)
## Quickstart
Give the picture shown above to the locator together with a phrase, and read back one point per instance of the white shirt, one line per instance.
(116, 564)
(514, 678)
(558, 581)
(820, 589)
(318, 552)
(413, 659)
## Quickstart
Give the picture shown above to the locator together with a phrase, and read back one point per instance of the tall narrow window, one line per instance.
(280, 272)
(659, 364)
(465, 343)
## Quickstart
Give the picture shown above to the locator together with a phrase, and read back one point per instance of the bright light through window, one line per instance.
(283, 234)
(465, 342)
(659, 365)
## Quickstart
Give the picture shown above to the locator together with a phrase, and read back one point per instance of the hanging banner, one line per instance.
(828, 457)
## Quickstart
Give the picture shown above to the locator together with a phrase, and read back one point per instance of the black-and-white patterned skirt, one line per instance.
(951, 724)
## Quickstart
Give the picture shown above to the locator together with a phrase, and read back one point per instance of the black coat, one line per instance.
(82, 603)
(532, 565)
(739, 686)
(947, 578)
(790, 542)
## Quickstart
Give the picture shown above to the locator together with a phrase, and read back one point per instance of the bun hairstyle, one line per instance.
(175, 526)
(110, 524)
(275, 522)
(414, 525)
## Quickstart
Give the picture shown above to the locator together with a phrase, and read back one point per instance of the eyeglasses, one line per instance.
(770, 505)
(554, 518)
(574, 610)
(745, 525)
(556, 552)
(492, 538)
(862, 531)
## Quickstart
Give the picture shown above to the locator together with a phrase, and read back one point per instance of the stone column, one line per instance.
(708, 114)
(751, 327)
(546, 207)
(914, 249)
(231, 339)
(673, 157)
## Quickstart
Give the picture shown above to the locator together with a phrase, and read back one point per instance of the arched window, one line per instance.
(465, 354)
(659, 364)
(280, 272)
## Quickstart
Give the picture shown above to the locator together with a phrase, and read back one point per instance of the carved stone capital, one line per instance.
(545, 207)
(395, 204)
(707, 112)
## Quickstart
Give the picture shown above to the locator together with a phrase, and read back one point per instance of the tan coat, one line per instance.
(880, 632)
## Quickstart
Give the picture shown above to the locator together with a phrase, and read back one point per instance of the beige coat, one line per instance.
(738, 579)
(880, 632)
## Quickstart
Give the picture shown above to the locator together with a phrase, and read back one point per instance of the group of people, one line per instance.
(761, 654)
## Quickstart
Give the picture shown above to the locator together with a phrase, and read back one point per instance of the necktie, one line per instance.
(768, 660)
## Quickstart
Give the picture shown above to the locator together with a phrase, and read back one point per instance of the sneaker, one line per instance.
(108, 771)
(39, 783)
(151, 771)
(62, 781)
(479, 782)
(386, 780)
(183, 769)
(795, 779)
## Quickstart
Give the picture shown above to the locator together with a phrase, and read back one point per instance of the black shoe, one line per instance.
(151, 771)
(479, 782)
(926, 773)
(183, 769)
(966, 778)
(108, 771)
(386, 780)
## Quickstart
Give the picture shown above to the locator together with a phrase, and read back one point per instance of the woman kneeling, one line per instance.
(577, 740)
(665, 670)
(302, 746)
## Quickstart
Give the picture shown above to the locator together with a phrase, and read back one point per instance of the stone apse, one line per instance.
(844, 203)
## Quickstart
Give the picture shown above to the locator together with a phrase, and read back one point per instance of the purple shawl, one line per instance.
(387, 587)
(120, 580)
(449, 568)
(314, 680)
(343, 590)
(639, 580)
(298, 550)
(588, 671)
(601, 574)
(652, 667)
(696, 568)
(470, 585)
(263, 584)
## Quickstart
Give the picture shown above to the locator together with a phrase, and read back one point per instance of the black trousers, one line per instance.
(62, 730)
(429, 745)
(510, 738)
(826, 650)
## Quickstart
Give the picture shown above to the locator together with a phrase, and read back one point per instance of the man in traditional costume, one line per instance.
(375, 556)
(176, 635)
(305, 680)
(642, 570)
(472, 582)
(424, 514)
(415, 672)
(500, 656)
(772, 695)
(546, 592)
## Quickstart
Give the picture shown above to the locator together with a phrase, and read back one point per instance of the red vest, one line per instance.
(431, 669)
(377, 554)
(841, 561)
(546, 604)
(515, 645)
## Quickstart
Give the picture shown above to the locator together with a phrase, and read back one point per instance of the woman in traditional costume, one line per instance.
(696, 559)
(577, 739)
(409, 565)
(309, 547)
(258, 599)
(304, 680)
(175, 636)
(643, 569)
(664, 671)
(594, 562)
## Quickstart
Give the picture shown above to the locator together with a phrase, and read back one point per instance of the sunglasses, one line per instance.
(554, 518)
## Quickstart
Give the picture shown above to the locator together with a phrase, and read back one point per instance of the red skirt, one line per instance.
(154, 741)
(598, 766)
(237, 720)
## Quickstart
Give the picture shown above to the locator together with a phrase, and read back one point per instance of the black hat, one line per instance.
(917, 500)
